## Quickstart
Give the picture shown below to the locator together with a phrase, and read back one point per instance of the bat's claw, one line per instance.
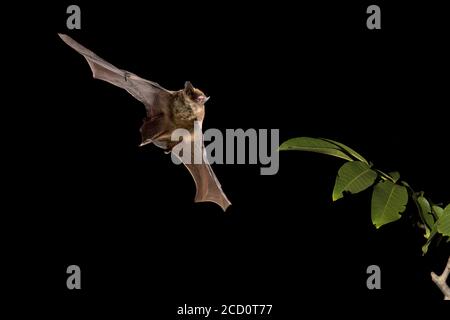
(145, 142)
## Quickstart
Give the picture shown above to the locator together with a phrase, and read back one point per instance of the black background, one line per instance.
(84, 193)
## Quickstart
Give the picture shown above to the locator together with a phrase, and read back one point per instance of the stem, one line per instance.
(441, 281)
(384, 176)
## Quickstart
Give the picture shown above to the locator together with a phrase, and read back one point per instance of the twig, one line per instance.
(441, 281)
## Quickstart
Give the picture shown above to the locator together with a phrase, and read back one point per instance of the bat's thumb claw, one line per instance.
(145, 142)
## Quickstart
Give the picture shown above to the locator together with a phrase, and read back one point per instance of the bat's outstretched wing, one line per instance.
(158, 125)
(154, 96)
(206, 182)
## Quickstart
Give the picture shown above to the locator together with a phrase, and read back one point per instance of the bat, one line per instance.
(166, 111)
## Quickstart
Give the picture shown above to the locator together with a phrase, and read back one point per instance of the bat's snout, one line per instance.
(202, 99)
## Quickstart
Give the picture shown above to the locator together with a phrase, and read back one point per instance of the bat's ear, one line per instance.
(188, 88)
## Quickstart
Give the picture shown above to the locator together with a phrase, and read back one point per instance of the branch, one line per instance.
(441, 281)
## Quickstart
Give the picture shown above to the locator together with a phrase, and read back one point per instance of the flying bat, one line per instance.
(166, 111)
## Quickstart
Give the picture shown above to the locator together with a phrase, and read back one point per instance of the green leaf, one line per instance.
(349, 150)
(314, 145)
(426, 214)
(438, 211)
(353, 177)
(430, 238)
(395, 175)
(443, 224)
(388, 201)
